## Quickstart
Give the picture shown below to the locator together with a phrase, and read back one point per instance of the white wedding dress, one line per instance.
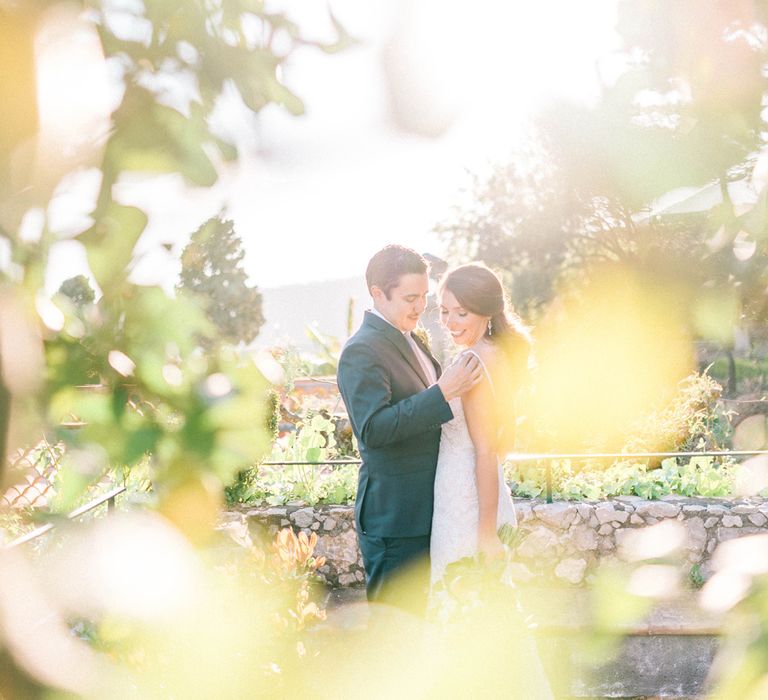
(455, 531)
(456, 510)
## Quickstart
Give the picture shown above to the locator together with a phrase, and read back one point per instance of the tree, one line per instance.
(519, 220)
(589, 192)
(687, 112)
(528, 221)
(212, 272)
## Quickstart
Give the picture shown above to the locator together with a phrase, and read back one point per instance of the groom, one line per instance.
(397, 400)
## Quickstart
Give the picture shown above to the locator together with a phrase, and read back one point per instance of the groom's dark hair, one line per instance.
(392, 262)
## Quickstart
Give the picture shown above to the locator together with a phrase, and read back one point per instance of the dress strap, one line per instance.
(485, 370)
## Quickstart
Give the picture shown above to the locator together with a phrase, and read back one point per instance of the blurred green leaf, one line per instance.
(109, 243)
(163, 140)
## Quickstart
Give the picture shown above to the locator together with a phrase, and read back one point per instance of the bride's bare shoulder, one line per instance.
(486, 351)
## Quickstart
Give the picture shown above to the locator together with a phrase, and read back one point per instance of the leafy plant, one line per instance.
(291, 562)
(308, 484)
(696, 577)
(14, 523)
(312, 442)
(700, 476)
(277, 484)
(293, 363)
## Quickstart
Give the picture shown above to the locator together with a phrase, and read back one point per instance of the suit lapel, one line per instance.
(395, 337)
(425, 349)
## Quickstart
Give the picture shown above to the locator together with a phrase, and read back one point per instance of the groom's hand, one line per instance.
(460, 377)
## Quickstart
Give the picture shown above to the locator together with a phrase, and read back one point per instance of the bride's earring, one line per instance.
(490, 327)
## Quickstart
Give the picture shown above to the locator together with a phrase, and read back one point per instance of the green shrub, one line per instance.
(313, 441)
(307, 484)
(700, 476)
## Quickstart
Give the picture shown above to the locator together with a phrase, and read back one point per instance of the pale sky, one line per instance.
(314, 197)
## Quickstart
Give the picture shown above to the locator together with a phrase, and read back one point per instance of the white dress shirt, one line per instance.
(421, 356)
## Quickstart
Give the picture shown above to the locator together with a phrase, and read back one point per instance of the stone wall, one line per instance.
(335, 528)
(566, 539)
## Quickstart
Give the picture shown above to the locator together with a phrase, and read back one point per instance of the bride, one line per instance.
(472, 500)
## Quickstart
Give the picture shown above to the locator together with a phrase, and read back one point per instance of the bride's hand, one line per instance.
(491, 548)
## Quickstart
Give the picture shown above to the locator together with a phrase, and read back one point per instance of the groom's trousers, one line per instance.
(397, 570)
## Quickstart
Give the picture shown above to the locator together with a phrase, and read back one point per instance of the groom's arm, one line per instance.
(365, 387)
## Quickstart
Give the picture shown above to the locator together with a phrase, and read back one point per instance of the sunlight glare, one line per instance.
(653, 542)
(121, 363)
(32, 225)
(135, 566)
(217, 385)
(752, 477)
(35, 633)
(72, 83)
(723, 591)
(507, 57)
(745, 555)
(655, 581)
(50, 314)
(269, 367)
(173, 375)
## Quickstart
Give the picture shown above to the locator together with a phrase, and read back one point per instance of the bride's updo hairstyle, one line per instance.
(479, 290)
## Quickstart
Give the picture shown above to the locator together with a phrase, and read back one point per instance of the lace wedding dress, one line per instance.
(456, 510)
(454, 536)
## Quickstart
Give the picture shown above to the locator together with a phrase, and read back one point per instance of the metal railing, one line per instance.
(108, 498)
(551, 456)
